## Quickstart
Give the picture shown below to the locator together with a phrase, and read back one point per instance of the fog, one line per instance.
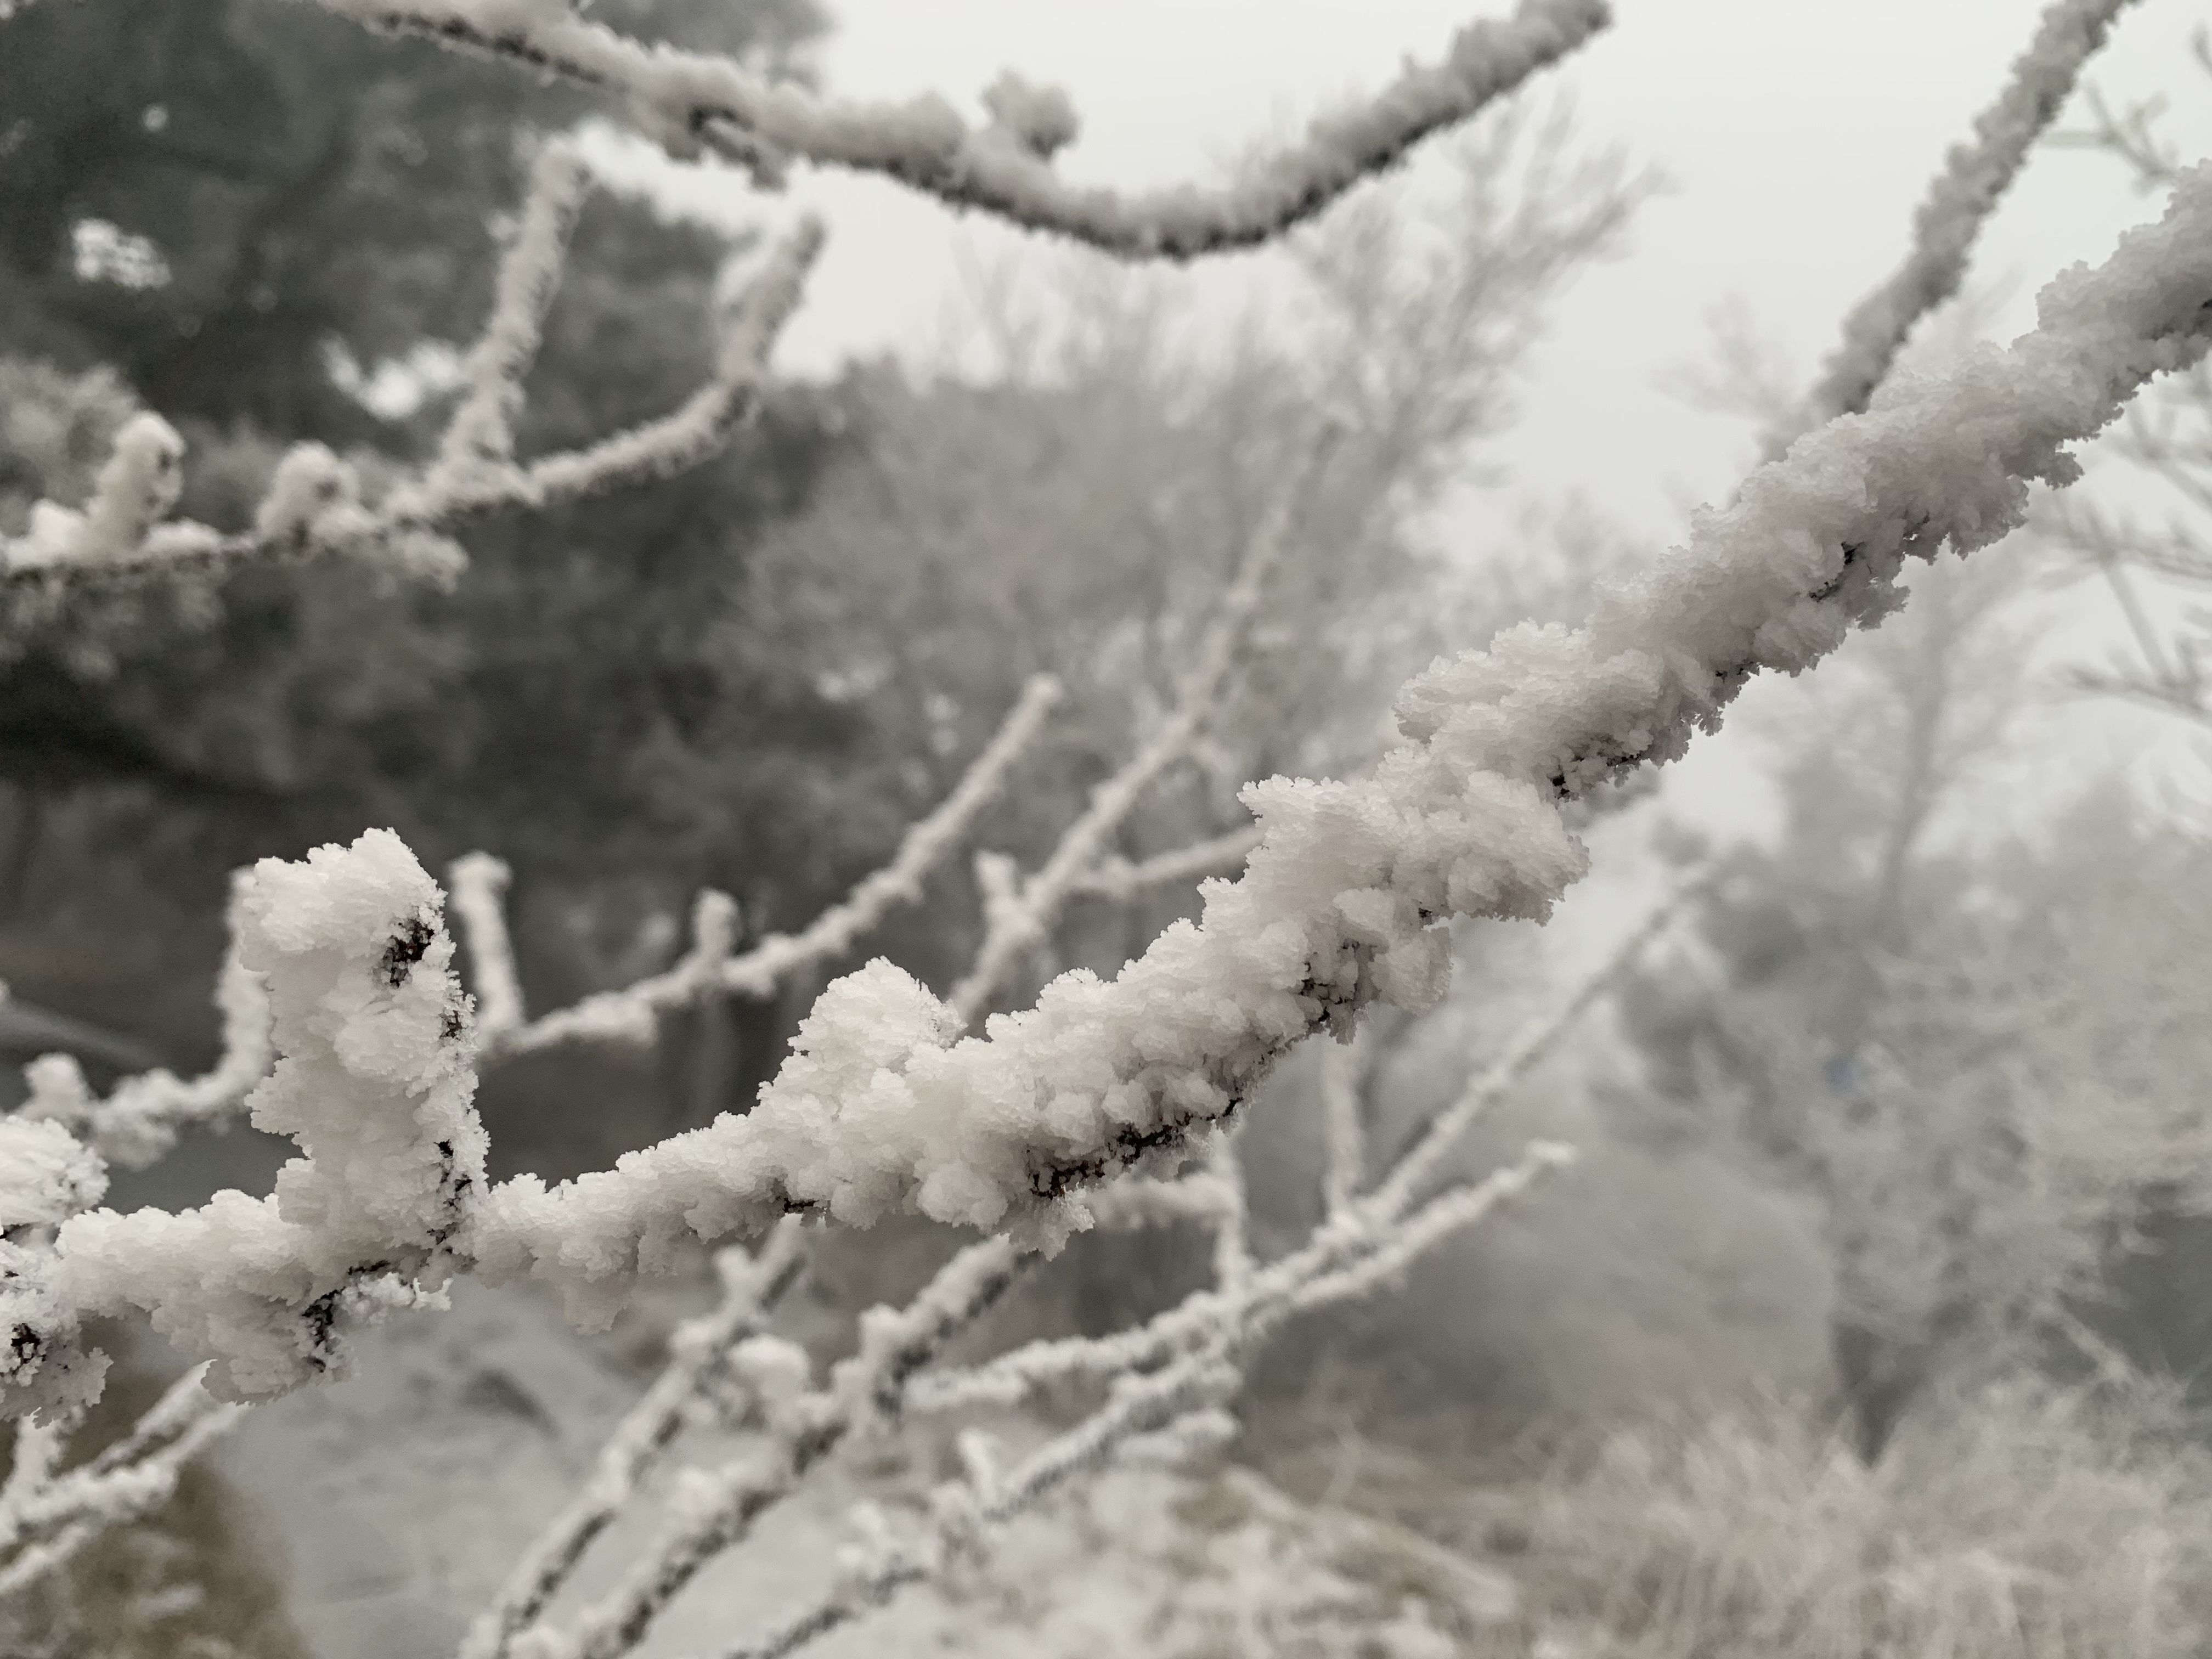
(1301, 833)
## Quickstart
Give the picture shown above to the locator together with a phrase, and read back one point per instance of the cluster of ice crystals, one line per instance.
(374, 1083)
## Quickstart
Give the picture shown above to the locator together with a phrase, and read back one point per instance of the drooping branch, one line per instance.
(690, 101)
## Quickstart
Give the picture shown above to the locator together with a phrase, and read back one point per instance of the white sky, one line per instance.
(1797, 136)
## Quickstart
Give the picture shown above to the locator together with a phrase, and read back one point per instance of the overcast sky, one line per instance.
(1797, 136)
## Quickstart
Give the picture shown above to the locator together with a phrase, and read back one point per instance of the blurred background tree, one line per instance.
(270, 224)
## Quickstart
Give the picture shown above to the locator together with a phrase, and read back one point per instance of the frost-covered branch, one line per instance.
(374, 1083)
(1343, 1116)
(1358, 1223)
(480, 435)
(139, 1120)
(800, 1425)
(1428, 1145)
(1021, 913)
(476, 885)
(689, 102)
(882, 1108)
(1167, 1380)
(1974, 180)
(313, 508)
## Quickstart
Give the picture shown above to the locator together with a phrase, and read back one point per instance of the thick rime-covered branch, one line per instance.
(1019, 913)
(884, 1107)
(1357, 1223)
(1974, 180)
(313, 508)
(688, 101)
(373, 1082)
(1166, 1383)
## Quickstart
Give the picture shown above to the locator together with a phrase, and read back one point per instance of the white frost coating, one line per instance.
(139, 1120)
(1336, 907)
(686, 100)
(1165, 1381)
(46, 1175)
(1117, 877)
(1975, 178)
(375, 1084)
(313, 506)
(1040, 119)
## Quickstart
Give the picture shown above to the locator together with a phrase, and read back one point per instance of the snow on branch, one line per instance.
(717, 1508)
(313, 508)
(1974, 180)
(1390, 1221)
(1166, 1385)
(374, 1083)
(689, 101)
(883, 1108)
(1176, 1403)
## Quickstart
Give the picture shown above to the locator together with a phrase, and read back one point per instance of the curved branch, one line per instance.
(688, 101)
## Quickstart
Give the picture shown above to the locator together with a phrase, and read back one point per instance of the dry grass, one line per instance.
(2024, 1523)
